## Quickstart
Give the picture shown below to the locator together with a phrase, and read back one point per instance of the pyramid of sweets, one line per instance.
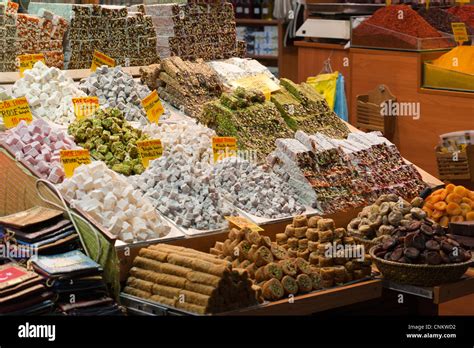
(318, 241)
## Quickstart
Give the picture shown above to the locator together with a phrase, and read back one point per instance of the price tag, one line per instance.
(26, 61)
(71, 159)
(153, 107)
(85, 106)
(12, 7)
(460, 32)
(463, 1)
(260, 81)
(427, 4)
(14, 111)
(149, 150)
(241, 223)
(99, 59)
(388, 2)
(224, 147)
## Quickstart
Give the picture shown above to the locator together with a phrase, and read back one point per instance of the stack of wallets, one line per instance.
(22, 292)
(77, 283)
(38, 230)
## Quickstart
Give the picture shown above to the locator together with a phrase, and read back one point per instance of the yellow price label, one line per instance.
(26, 61)
(71, 159)
(149, 150)
(14, 111)
(99, 59)
(241, 223)
(427, 4)
(463, 1)
(460, 32)
(85, 106)
(153, 107)
(388, 2)
(223, 147)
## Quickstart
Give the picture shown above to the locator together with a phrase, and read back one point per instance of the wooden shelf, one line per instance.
(257, 22)
(253, 56)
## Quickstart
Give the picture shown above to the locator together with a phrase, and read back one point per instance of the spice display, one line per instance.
(109, 138)
(398, 26)
(254, 190)
(113, 203)
(184, 191)
(189, 280)
(422, 242)
(379, 221)
(117, 89)
(194, 30)
(463, 56)
(464, 12)
(127, 37)
(451, 204)
(318, 242)
(337, 175)
(304, 109)
(49, 93)
(184, 84)
(235, 68)
(441, 19)
(22, 33)
(38, 145)
(246, 115)
(195, 137)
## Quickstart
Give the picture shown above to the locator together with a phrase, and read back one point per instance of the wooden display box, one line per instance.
(369, 111)
(452, 166)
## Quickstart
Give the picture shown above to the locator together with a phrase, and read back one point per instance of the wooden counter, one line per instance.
(440, 111)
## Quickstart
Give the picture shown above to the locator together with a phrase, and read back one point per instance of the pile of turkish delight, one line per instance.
(336, 175)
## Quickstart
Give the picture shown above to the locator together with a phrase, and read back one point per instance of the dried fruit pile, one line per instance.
(422, 242)
(441, 19)
(451, 204)
(246, 115)
(111, 139)
(465, 13)
(379, 221)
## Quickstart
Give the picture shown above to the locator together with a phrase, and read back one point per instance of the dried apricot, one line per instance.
(443, 194)
(453, 209)
(453, 197)
(465, 208)
(456, 218)
(461, 190)
(433, 199)
(444, 221)
(429, 211)
(470, 216)
(440, 205)
(437, 214)
(450, 188)
(428, 205)
(471, 195)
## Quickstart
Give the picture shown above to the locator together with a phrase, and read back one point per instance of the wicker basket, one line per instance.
(421, 275)
(368, 244)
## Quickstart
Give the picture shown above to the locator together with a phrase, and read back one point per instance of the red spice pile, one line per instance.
(465, 13)
(411, 23)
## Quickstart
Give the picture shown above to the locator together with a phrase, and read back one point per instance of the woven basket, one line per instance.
(421, 275)
(368, 244)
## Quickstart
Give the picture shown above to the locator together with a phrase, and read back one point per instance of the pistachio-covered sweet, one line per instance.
(109, 138)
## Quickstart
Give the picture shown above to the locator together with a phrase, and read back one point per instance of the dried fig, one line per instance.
(395, 217)
(432, 245)
(408, 241)
(419, 241)
(414, 225)
(417, 202)
(428, 230)
(396, 254)
(433, 258)
(411, 253)
(418, 213)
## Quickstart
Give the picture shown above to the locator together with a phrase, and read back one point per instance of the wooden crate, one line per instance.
(369, 117)
(452, 167)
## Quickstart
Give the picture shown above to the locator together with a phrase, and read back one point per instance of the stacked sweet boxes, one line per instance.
(28, 34)
(127, 37)
(195, 30)
(77, 282)
(22, 292)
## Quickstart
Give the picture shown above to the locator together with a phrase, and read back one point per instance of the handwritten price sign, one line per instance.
(71, 159)
(153, 107)
(14, 111)
(149, 150)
